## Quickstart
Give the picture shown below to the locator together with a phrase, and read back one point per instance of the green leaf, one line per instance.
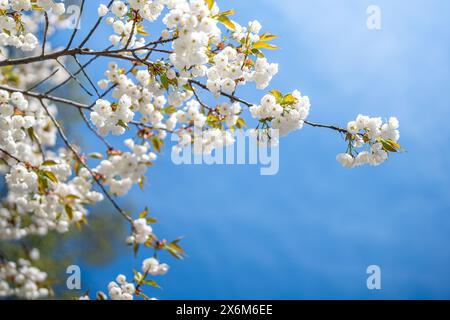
(390, 146)
(50, 175)
(175, 250)
(157, 144)
(42, 184)
(393, 143)
(210, 4)
(151, 220)
(227, 22)
(152, 283)
(258, 53)
(170, 109)
(69, 211)
(277, 94)
(136, 249)
(288, 99)
(49, 163)
(227, 13)
(267, 37)
(122, 124)
(164, 81)
(142, 182)
(144, 213)
(72, 197)
(264, 45)
(32, 134)
(95, 155)
(241, 123)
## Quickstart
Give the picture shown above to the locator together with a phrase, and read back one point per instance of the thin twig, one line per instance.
(74, 33)
(76, 73)
(87, 76)
(46, 97)
(132, 29)
(74, 78)
(91, 32)
(43, 80)
(11, 156)
(45, 33)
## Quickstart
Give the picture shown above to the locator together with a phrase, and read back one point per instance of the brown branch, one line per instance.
(43, 80)
(74, 78)
(45, 33)
(11, 156)
(86, 75)
(91, 32)
(74, 33)
(75, 73)
(76, 51)
(132, 29)
(46, 97)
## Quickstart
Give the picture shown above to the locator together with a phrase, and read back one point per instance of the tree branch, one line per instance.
(46, 97)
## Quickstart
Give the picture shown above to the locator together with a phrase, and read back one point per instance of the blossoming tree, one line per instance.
(153, 87)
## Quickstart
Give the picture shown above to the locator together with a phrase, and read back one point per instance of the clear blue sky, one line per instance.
(312, 230)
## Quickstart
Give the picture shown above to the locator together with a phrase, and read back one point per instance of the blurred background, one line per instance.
(311, 231)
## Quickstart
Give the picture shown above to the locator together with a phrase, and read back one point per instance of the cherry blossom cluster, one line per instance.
(45, 198)
(124, 169)
(121, 289)
(15, 28)
(154, 267)
(22, 280)
(204, 140)
(145, 98)
(142, 232)
(284, 113)
(23, 122)
(377, 139)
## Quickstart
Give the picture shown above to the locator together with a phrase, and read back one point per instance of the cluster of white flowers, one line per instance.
(380, 137)
(196, 29)
(286, 115)
(264, 72)
(18, 118)
(112, 118)
(27, 210)
(145, 98)
(121, 170)
(126, 32)
(14, 30)
(231, 68)
(154, 267)
(205, 141)
(121, 289)
(230, 112)
(141, 232)
(22, 280)
(212, 139)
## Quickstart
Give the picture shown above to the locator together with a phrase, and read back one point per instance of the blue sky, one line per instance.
(312, 230)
